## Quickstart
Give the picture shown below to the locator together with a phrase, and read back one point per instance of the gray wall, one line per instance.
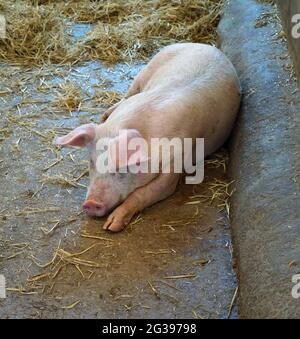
(288, 9)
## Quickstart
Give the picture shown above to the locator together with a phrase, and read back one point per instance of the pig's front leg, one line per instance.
(158, 189)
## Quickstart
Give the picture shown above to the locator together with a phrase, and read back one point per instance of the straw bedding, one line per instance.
(39, 31)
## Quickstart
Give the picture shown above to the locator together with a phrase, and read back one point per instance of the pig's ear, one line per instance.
(121, 156)
(79, 137)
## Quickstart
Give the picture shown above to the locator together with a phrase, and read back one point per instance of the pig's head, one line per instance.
(107, 189)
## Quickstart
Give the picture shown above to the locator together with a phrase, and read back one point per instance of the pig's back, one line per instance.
(198, 93)
(181, 65)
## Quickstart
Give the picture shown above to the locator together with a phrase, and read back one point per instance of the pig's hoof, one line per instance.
(104, 117)
(117, 221)
(114, 225)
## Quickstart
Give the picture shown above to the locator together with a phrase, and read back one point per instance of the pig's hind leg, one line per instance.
(133, 90)
(158, 189)
(108, 112)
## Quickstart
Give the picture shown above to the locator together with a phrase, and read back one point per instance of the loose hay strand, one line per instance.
(69, 307)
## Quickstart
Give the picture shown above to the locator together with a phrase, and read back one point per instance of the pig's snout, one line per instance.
(94, 208)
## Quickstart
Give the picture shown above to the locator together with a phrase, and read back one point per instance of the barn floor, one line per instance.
(265, 161)
(173, 261)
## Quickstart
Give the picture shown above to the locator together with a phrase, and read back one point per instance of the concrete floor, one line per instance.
(135, 277)
(265, 161)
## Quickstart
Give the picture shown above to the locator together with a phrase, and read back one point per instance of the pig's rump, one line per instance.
(186, 91)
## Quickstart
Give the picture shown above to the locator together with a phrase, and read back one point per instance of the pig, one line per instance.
(188, 90)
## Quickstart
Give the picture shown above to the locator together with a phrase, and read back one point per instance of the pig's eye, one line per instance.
(92, 164)
(119, 175)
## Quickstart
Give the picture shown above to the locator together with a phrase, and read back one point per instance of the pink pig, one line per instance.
(186, 91)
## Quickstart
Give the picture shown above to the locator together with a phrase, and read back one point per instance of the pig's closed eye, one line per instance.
(119, 175)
